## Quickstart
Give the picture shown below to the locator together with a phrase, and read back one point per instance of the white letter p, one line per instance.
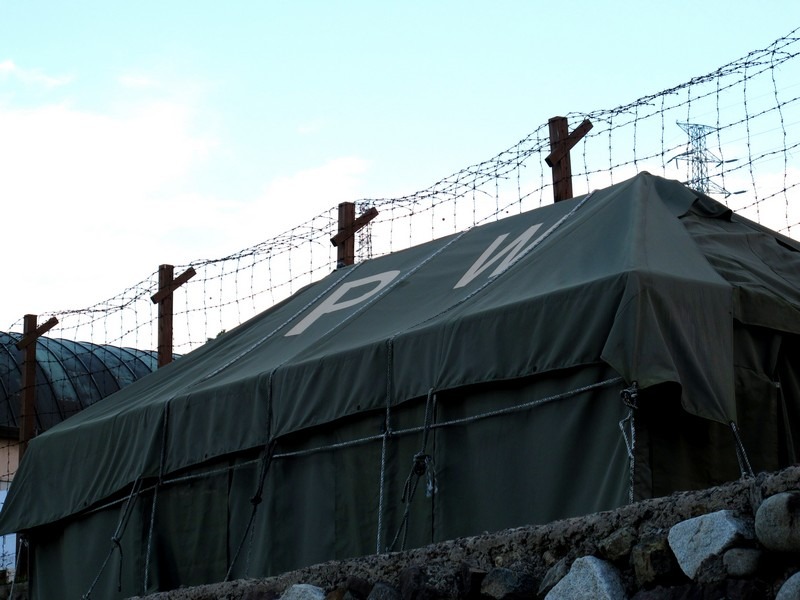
(332, 304)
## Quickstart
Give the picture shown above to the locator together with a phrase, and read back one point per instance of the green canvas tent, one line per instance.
(558, 362)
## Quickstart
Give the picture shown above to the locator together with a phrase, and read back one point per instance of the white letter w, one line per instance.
(508, 255)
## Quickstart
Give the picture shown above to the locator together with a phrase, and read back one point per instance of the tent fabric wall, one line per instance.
(500, 353)
(67, 556)
(322, 495)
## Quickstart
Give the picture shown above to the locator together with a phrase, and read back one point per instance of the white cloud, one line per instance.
(90, 159)
(84, 199)
(93, 202)
(291, 200)
(335, 181)
(32, 76)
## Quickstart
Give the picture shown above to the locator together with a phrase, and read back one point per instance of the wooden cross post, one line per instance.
(166, 286)
(30, 334)
(345, 240)
(561, 142)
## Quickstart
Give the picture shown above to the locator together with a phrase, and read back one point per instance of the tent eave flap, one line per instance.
(43, 490)
(659, 336)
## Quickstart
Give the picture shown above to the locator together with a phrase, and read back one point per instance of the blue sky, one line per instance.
(133, 134)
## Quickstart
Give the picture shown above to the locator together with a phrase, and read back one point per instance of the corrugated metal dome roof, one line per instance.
(69, 375)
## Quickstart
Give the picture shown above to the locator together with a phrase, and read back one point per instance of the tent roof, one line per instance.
(645, 276)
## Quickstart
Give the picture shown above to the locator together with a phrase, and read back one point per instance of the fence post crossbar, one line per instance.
(345, 240)
(561, 142)
(167, 284)
(30, 334)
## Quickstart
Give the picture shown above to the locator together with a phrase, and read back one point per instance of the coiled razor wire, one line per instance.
(750, 103)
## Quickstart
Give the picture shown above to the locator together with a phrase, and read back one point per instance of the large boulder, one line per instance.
(303, 591)
(590, 578)
(700, 542)
(778, 522)
(742, 562)
(790, 590)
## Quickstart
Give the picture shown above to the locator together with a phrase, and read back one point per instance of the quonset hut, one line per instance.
(563, 361)
(70, 376)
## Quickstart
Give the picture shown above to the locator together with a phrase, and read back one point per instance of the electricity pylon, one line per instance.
(699, 156)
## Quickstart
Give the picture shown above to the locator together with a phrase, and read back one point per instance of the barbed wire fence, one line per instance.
(748, 112)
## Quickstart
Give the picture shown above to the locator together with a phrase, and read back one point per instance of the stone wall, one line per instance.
(740, 540)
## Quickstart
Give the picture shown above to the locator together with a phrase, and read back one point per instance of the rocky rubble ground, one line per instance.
(737, 541)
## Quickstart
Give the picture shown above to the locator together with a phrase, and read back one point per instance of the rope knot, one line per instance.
(386, 431)
(423, 466)
(421, 463)
(630, 395)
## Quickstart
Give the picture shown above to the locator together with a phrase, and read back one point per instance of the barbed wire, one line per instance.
(751, 106)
